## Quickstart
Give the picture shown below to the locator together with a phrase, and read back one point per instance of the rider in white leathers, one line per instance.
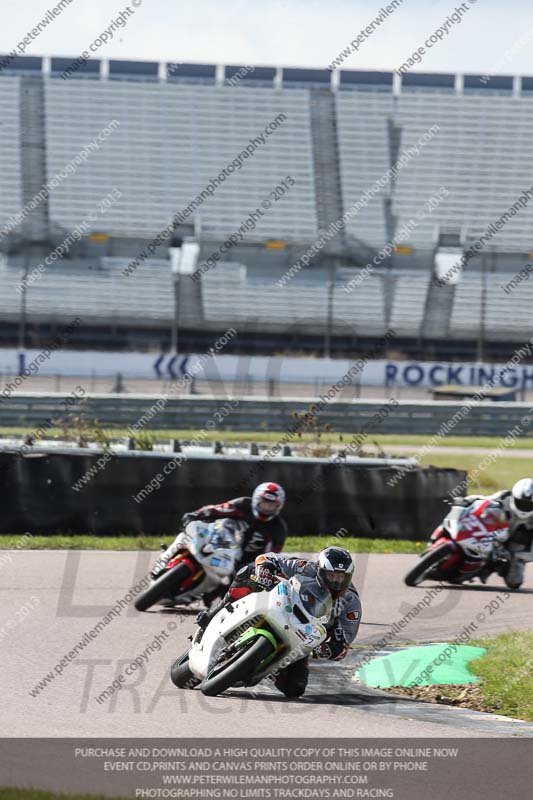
(517, 505)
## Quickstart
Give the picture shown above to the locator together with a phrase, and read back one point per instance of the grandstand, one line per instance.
(170, 130)
(10, 162)
(167, 148)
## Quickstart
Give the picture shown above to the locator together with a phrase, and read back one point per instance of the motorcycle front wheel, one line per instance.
(241, 666)
(428, 563)
(181, 674)
(168, 584)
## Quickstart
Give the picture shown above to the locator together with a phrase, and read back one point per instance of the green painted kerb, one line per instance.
(429, 665)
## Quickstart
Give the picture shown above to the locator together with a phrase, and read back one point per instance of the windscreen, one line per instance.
(456, 514)
(314, 599)
(222, 535)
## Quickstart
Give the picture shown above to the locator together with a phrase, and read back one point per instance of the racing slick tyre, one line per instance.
(181, 674)
(168, 584)
(239, 667)
(428, 563)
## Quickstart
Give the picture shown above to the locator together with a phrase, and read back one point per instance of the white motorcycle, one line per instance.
(256, 636)
(205, 558)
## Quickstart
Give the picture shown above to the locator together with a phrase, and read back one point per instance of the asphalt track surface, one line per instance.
(73, 591)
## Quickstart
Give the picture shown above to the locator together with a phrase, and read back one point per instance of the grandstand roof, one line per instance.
(272, 76)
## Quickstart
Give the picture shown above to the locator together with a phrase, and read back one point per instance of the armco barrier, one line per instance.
(256, 414)
(38, 496)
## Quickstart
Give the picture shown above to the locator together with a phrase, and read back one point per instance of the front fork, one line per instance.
(195, 568)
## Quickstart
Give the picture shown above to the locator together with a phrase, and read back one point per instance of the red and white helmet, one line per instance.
(267, 501)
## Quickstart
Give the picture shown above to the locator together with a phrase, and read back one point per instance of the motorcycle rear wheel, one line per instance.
(243, 666)
(169, 583)
(427, 563)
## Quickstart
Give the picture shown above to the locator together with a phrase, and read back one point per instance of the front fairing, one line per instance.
(454, 521)
(285, 611)
(217, 554)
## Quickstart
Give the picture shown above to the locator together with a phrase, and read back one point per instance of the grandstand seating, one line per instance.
(10, 167)
(364, 156)
(171, 141)
(98, 295)
(232, 293)
(410, 292)
(229, 293)
(508, 315)
(174, 136)
(363, 308)
(481, 154)
(178, 132)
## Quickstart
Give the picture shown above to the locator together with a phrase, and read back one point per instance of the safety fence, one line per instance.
(79, 491)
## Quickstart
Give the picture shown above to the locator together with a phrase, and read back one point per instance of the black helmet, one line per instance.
(335, 569)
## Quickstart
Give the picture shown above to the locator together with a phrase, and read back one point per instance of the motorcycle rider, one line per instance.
(333, 570)
(517, 505)
(264, 529)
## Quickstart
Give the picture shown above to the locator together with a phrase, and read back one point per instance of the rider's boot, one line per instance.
(485, 572)
(514, 576)
(204, 618)
(240, 587)
(292, 680)
(211, 597)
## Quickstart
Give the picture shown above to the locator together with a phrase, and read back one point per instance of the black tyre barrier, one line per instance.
(135, 493)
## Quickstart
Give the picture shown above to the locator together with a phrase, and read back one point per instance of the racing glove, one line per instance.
(335, 648)
(265, 575)
(192, 516)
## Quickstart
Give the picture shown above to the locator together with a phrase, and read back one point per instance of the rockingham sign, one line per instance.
(429, 374)
(228, 368)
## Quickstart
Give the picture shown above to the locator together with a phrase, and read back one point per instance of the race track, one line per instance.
(72, 591)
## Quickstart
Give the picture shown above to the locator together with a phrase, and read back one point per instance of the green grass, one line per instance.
(330, 438)
(304, 544)
(33, 794)
(501, 473)
(507, 673)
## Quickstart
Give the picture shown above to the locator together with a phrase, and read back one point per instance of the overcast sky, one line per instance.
(290, 32)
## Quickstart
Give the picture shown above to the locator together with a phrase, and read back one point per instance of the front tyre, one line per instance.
(181, 674)
(241, 666)
(428, 564)
(168, 584)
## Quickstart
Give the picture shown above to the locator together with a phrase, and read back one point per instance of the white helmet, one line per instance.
(521, 502)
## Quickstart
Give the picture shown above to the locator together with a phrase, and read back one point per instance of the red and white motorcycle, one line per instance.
(465, 546)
